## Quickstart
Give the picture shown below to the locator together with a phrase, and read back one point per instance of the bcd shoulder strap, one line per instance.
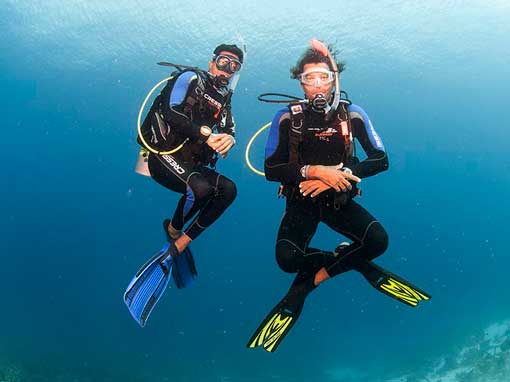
(297, 118)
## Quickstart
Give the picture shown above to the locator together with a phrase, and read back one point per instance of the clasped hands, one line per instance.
(326, 177)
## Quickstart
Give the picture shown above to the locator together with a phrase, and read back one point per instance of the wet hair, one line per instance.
(231, 49)
(313, 56)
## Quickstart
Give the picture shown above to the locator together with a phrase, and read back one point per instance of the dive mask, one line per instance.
(227, 64)
(317, 77)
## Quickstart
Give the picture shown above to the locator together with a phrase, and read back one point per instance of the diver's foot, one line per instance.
(167, 260)
(339, 248)
(182, 242)
(301, 286)
(322, 274)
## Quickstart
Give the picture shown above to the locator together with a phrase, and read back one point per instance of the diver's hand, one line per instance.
(212, 140)
(333, 176)
(312, 187)
(221, 143)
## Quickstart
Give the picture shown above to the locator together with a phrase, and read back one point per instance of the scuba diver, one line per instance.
(311, 152)
(188, 126)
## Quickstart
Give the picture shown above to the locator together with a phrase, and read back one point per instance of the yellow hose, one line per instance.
(247, 152)
(146, 145)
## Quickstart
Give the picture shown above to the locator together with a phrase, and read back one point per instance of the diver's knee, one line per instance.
(286, 257)
(202, 190)
(229, 190)
(376, 240)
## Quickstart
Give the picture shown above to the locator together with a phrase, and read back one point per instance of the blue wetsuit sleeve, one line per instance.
(178, 118)
(363, 130)
(276, 165)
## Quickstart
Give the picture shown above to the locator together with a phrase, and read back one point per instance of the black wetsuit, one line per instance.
(323, 144)
(190, 102)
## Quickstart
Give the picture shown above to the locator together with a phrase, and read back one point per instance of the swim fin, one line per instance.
(184, 270)
(282, 317)
(149, 284)
(392, 285)
(388, 283)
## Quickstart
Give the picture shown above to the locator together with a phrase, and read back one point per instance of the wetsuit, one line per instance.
(322, 143)
(189, 101)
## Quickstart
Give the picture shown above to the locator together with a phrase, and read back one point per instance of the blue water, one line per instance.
(77, 221)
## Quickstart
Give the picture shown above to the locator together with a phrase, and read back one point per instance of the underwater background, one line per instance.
(77, 222)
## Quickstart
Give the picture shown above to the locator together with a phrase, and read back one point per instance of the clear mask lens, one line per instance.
(317, 77)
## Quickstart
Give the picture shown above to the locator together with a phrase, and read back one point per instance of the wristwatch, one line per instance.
(304, 171)
(347, 170)
(205, 132)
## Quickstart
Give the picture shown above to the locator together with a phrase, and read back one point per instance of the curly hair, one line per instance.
(313, 56)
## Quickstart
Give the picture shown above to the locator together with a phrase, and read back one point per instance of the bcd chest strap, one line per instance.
(341, 121)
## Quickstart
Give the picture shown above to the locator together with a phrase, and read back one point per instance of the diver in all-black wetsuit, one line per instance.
(310, 151)
(323, 145)
(194, 108)
(320, 179)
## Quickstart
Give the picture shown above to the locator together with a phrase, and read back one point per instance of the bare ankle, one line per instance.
(182, 242)
(172, 232)
(321, 276)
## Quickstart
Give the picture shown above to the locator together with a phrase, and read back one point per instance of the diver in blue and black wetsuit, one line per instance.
(188, 126)
(195, 111)
(310, 151)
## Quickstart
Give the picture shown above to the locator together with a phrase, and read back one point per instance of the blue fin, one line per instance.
(149, 284)
(184, 270)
